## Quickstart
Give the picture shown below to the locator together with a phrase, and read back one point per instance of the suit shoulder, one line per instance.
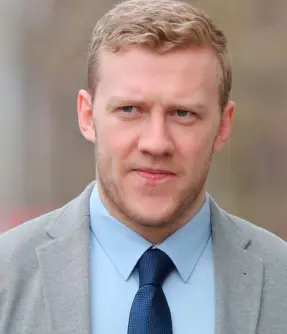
(26, 237)
(264, 243)
(18, 257)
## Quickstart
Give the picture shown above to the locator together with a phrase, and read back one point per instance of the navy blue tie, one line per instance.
(150, 313)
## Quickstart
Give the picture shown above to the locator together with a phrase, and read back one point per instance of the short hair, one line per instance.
(159, 25)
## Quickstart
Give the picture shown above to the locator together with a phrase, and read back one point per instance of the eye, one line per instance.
(129, 112)
(181, 113)
(184, 117)
(128, 109)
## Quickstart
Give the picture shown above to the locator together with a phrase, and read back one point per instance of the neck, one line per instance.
(156, 233)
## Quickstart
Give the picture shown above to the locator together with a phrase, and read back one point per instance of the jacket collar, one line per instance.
(64, 264)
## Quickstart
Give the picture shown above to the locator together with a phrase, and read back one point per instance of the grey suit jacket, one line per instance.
(44, 275)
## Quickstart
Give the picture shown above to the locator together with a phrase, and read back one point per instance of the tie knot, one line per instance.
(154, 266)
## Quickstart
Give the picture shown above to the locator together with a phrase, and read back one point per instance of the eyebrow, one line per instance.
(199, 107)
(117, 101)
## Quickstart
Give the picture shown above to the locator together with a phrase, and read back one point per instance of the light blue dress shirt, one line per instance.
(115, 250)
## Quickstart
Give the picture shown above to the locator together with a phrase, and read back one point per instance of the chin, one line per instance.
(152, 221)
(152, 215)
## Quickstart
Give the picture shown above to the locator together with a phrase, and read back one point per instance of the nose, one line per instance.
(155, 138)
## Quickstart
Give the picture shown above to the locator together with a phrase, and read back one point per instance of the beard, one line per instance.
(186, 199)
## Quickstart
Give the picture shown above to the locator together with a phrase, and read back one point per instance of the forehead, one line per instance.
(135, 70)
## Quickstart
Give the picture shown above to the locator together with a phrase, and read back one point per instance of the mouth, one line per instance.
(154, 176)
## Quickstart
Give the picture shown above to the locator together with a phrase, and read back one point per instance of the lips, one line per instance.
(154, 175)
(155, 171)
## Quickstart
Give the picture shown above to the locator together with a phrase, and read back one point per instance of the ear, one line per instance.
(85, 115)
(225, 126)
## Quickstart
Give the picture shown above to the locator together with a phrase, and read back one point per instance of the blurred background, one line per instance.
(44, 162)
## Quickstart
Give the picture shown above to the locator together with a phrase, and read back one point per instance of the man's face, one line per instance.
(155, 123)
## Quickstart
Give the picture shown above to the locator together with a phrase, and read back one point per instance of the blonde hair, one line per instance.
(160, 25)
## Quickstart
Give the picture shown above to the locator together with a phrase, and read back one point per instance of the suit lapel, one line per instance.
(64, 265)
(238, 277)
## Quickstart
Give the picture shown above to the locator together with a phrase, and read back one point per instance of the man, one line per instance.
(145, 249)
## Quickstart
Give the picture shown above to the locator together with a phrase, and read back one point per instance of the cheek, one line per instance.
(197, 145)
(114, 140)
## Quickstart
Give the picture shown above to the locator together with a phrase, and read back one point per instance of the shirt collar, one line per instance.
(187, 244)
(124, 247)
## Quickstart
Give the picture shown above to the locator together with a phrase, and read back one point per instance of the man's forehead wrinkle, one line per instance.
(141, 92)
